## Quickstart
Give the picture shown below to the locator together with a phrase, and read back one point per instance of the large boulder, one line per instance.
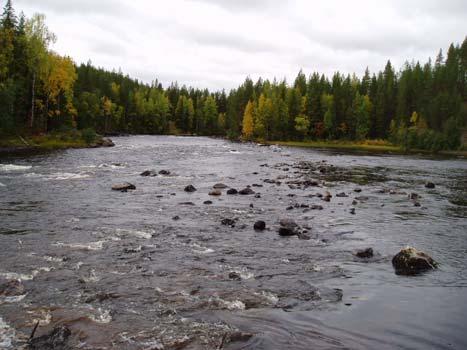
(246, 191)
(259, 225)
(106, 142)
(232, 191)
(410, 261)
(123, 187)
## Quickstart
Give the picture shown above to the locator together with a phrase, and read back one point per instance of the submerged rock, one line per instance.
(190, 189)
(150, 173)
(246, 191)
(410, 261)
(123, 187)
(55, 340)
(228, 222)
(11, 288)
(259, 226)
(365, 253)
(220, 186)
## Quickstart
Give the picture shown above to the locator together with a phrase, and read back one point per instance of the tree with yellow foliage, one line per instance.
(248, 123)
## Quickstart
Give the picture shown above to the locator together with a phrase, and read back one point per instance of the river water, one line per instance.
(122, 273)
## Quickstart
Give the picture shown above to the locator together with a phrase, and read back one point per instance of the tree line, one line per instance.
(420, 106)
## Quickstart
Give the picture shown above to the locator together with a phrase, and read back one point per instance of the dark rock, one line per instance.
(176, 218)
(303, 236)
(164, 172)
(187, 203)
(417, 204)
(365, 253)
(240, 337)
(207, 202)
(341, 195)
(220, 186)
(290, 208)
(257, 185)
(246, 191)
(251, 205)
(352, 211)
(106, 142)
(148, 173)
(410, 261)
(55, 340)
(362, 198)
(413, 196)
(316, 207)
(215, 193)
(235, 276)
(232, 191)
(11, 288)
(228, 222)
(190, 189)
(358, 190)
(259, 225)
(123, 187)
(354, 202)
(258, 195)
(310, 183)
(430, 185)
(288, 227)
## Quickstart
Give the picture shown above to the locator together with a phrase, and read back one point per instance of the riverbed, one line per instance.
(156, 268)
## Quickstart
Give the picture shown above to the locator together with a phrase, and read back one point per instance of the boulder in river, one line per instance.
(215, 193)
(190, 189)
(341, 195)
(123, 187)
(365, 253)
(430, 185)
(259, 225)
(232, 191)
(150, 173)
(207, 202)
(164, 172)
(247, 191)
(228, 222)
(220, 186)
(288, 227)
(11, 288)
(410, 261)
(55, 340)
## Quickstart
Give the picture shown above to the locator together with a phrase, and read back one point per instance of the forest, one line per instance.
(420, 106)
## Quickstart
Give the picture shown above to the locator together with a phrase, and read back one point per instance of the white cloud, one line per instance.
(217, 43)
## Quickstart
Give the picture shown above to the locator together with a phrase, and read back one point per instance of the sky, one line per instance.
(216, 44)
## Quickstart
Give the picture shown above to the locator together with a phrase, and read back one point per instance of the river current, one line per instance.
(156, 268)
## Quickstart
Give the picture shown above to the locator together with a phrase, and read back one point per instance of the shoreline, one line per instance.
(369, 148)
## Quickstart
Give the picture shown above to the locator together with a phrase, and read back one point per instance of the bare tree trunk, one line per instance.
(33, 100)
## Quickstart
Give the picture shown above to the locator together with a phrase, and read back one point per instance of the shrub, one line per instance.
(88, 135)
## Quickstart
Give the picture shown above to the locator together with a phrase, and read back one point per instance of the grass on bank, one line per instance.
(54, 140)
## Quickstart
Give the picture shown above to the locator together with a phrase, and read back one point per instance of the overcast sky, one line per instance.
(217, 43)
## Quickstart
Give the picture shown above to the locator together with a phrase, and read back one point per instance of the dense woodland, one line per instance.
(420, 106)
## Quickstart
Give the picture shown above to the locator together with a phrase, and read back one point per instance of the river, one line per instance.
(155, 268)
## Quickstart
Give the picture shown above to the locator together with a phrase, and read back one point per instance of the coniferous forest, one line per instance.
(420, 105)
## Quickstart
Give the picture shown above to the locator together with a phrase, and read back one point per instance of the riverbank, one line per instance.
(376, 146)
(51, 142)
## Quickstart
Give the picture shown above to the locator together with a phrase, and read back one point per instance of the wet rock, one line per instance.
(352, 211)
(410, 261)
(123, 187)
(235, 276)
(354, 202)
(288, 227)
(365, 253)
(220, 186)
(190, 189)
(251, 205)
(362, 198)
(258, 195)
(341, 195)
(430, 185)
(246, 191)
(357, 190)
(232, 191)
(303, 235)
(215, 193)
(259, 225)
(176, 218)
(417, 204)
(187, 203)
(149, 173)
(228, 222)
(291, 207)
(316, 207)
(55, 340)
(164, 172)
(257, 185)
(239, 337)
(100, 297)
(413, 196)
(207, 202)
(11, 288)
